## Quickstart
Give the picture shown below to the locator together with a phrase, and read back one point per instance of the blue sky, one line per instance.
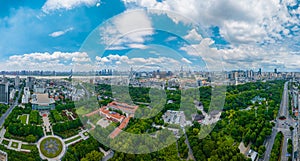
(89, 34)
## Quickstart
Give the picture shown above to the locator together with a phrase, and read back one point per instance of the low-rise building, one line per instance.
(258, 99)
(111, 115)
(252, 154)
(129, 109)
(174, 117)
(3, 155)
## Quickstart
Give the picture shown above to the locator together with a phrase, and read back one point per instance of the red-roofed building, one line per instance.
(111, 115)
(117, 131)
(129, 109)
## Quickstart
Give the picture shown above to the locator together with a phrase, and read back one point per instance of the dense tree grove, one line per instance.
(87, 149)
(290, 148)
(20, 130)
(182, 148)
(241, 121)
(20, 156)
(55, 116)
(3, 109)
(238, 124)
(67, 128)
(65, 106)
(169, 153)
(15, 129)
(276, 150)
(34, 117)
(92, 156)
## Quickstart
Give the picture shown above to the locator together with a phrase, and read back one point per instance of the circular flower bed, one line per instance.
(51, 147)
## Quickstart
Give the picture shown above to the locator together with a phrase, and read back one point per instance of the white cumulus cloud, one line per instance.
(52, 5)
(59, 61)
(128, 30)
(60, 33)
(240, 22)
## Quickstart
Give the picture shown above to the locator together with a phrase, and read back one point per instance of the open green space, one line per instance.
(23, 119)
(5, 142)
(71, 140)
(28, 146)
(15, 145)
(51, 147)
(82, 110)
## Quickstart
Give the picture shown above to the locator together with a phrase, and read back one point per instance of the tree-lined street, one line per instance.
(283, 123)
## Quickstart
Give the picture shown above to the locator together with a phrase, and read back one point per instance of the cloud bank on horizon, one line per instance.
(250, 34)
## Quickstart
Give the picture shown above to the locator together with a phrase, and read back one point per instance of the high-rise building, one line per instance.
(17, 81)
(4, 79)
(275, 70)
(259, 71)
(30, 82)
(26, 95)
(4, 93)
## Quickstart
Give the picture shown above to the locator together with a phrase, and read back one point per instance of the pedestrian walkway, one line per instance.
(16, 145)
(13, 144)
(80, 134)
(46, 122)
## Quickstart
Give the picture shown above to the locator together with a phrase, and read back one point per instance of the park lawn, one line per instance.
(95, 118)
(15, 145)
(23, 119)
(5, 142)
(82, 111)
(28, 146)
(71, 140)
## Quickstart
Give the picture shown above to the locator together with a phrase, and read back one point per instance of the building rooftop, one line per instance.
(42, 99)
(112, 114)
(117, 131)
(3, 156)
(123, 107)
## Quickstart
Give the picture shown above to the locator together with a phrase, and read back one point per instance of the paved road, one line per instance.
(286, 123)
(284, 103)
(86, 91)
(269, 145)
(191, 155)
(281, 125)
(5, 115)
(109, 156)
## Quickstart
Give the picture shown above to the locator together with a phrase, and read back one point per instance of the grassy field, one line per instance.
(5, 142)
(76, 138)
(23, 119)
(28, 147)
(56, 149)
(15, 145)
(82, 110)
(95, 118)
